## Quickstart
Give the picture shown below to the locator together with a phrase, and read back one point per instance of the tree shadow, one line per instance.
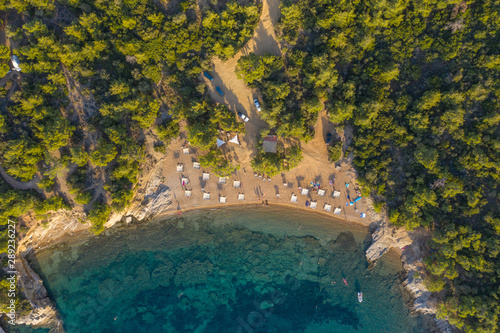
(299, 180)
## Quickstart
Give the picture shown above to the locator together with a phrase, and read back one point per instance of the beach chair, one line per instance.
(237, 184)
(241, 197)
(196, 165)
(321, 193)
(327, 208)
(180, 167)
(206, 196)
(293, 198)
(206, 176)
(313, 204)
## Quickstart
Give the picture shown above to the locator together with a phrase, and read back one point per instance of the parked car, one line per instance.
(242, 116)
(257, 104)
(208, 76)
(219, 90)
(328, 138)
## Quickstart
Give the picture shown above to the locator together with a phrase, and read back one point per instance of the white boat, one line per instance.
(360, 296)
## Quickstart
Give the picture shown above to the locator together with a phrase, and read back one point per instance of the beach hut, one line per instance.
(222, 199)
(206, 196)
(206, 176)
(321, 193)
(293, 198)
(327, 208)
(337, 211)
(187, 193)
(336, 194)
(237, 183)
(180, 167)
(222, 180)
(269, 144)
(196, 165)
(313, 204)
(184, 181)
(241, 197)
(305, 191)
(185, 151)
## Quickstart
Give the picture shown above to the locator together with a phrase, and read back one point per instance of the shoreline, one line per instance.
(80, 235)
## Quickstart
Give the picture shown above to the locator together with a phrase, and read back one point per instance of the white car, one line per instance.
(257, 104)
(242, 116)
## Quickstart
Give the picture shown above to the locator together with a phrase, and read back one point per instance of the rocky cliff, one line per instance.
(412, 246)
(44, 312)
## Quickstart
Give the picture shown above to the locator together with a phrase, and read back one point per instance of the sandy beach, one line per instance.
(258, 189)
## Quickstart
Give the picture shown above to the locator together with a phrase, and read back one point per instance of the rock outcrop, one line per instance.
(44, 312)
(412, 246)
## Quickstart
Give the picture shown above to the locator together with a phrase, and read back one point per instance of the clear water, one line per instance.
(250, 270)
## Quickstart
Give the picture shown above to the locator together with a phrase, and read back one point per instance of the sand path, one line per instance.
(237, 95)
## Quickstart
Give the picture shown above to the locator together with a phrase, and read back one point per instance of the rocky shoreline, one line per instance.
(384, 237)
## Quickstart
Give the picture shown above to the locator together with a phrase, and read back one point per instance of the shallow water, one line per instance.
(254, 269)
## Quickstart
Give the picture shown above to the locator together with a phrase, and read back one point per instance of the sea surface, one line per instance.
(242, 270)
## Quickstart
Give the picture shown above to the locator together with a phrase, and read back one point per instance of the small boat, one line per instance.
(360, 296)
(345, 282)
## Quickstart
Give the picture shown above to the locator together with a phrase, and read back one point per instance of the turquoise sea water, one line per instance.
(253, 269)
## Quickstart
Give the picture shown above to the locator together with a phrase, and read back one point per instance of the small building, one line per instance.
(269, 143)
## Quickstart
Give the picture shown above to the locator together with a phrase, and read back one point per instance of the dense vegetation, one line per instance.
(95, 76)
(419, 83)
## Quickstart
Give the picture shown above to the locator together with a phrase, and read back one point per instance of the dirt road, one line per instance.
(237, 96)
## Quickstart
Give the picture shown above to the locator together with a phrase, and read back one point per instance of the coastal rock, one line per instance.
(384, 238)
(150, 206)
(44, 312)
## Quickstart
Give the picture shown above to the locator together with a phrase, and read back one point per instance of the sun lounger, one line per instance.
(241, 197)
(321, 193)
(206, 196)
(328, 208)
(206, 176)
(180, 167)
(293, 198)
(222, 199)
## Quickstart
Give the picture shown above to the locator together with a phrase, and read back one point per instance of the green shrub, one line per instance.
(98, 216)
(335, 151)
